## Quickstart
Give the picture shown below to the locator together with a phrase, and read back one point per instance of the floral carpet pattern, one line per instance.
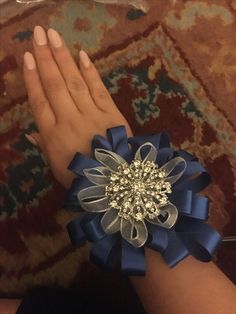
(171, 69)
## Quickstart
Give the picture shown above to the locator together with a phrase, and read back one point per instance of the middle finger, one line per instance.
(77, 87)
(52, 80)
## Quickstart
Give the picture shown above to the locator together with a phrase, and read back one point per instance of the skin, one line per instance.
(191, 287)
(68, 102)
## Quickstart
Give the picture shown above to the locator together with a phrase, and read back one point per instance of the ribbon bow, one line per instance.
(139, 192)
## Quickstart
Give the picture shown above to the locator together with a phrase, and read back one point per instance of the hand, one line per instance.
(69, 105)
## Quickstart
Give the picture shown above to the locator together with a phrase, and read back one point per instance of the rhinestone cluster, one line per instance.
(138, 190)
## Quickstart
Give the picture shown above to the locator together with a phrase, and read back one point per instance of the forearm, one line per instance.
(9, 306)
(191, 286)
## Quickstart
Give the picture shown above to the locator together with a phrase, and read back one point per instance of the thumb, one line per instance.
(35, 139)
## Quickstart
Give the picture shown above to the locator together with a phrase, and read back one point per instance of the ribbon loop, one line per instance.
(111, 221)
(91, 225)
(175, 251)
(71, 202)
(200, 207)
(167, 218)
(200, 239)
(80, 162)
(103, 253)
(158, 239)
(171, 166)
(151, 155)
(164, 155)
(159, 141)
(109, 159)
(133, 260)
(76, 234)
(140, 192)
(118, 138)
(135, 232)
(199, 182)
(98, 176)
(93, 199)
(182, 200)
(186, 155)
(101, 142)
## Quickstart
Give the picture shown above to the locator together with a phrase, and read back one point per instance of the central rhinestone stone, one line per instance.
(138, 190)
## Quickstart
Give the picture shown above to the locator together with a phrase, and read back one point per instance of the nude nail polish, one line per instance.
(31, 139)
(54, 38)
(84, 58)
(29, 61)
(40, 36)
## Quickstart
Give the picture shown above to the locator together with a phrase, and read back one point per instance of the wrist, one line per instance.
(9, 306)
(165, 288)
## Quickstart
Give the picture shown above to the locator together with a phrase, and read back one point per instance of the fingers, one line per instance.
(31, 139)
(36, 139)
(75, 83)
(87, 90)
(67, 90)
(53, 83)
(42, 112)
(96, 87)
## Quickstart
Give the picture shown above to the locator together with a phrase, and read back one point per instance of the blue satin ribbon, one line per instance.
(158, 238)
(176, 250)
(71, 201)
(81, 162)
(76, 233)
(91, 226)
(200, 239)
(132, 260)
(190, 234)
(104, 253)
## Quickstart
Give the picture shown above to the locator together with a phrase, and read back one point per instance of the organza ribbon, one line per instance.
(120, 243)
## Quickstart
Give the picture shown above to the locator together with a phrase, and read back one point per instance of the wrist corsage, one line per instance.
(138, 192)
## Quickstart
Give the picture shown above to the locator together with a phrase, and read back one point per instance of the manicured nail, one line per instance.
(40, 36)
(29, 61)
(54, 38)
(31, 139)
(84, 58)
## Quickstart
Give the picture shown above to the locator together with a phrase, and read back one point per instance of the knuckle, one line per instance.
(38, 104)
(100, 93)
(76, 84)
(54, 85)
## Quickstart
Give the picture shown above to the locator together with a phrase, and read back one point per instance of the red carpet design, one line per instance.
(172, 69)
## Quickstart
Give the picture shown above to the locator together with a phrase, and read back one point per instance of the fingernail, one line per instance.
(84, 58)
(54, 38)
(29, 61)
(40, 36)
(31, 139)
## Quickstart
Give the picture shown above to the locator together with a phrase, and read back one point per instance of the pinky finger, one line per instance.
(42, 112)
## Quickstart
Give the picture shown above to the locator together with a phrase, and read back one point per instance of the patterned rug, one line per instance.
(171, 69)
